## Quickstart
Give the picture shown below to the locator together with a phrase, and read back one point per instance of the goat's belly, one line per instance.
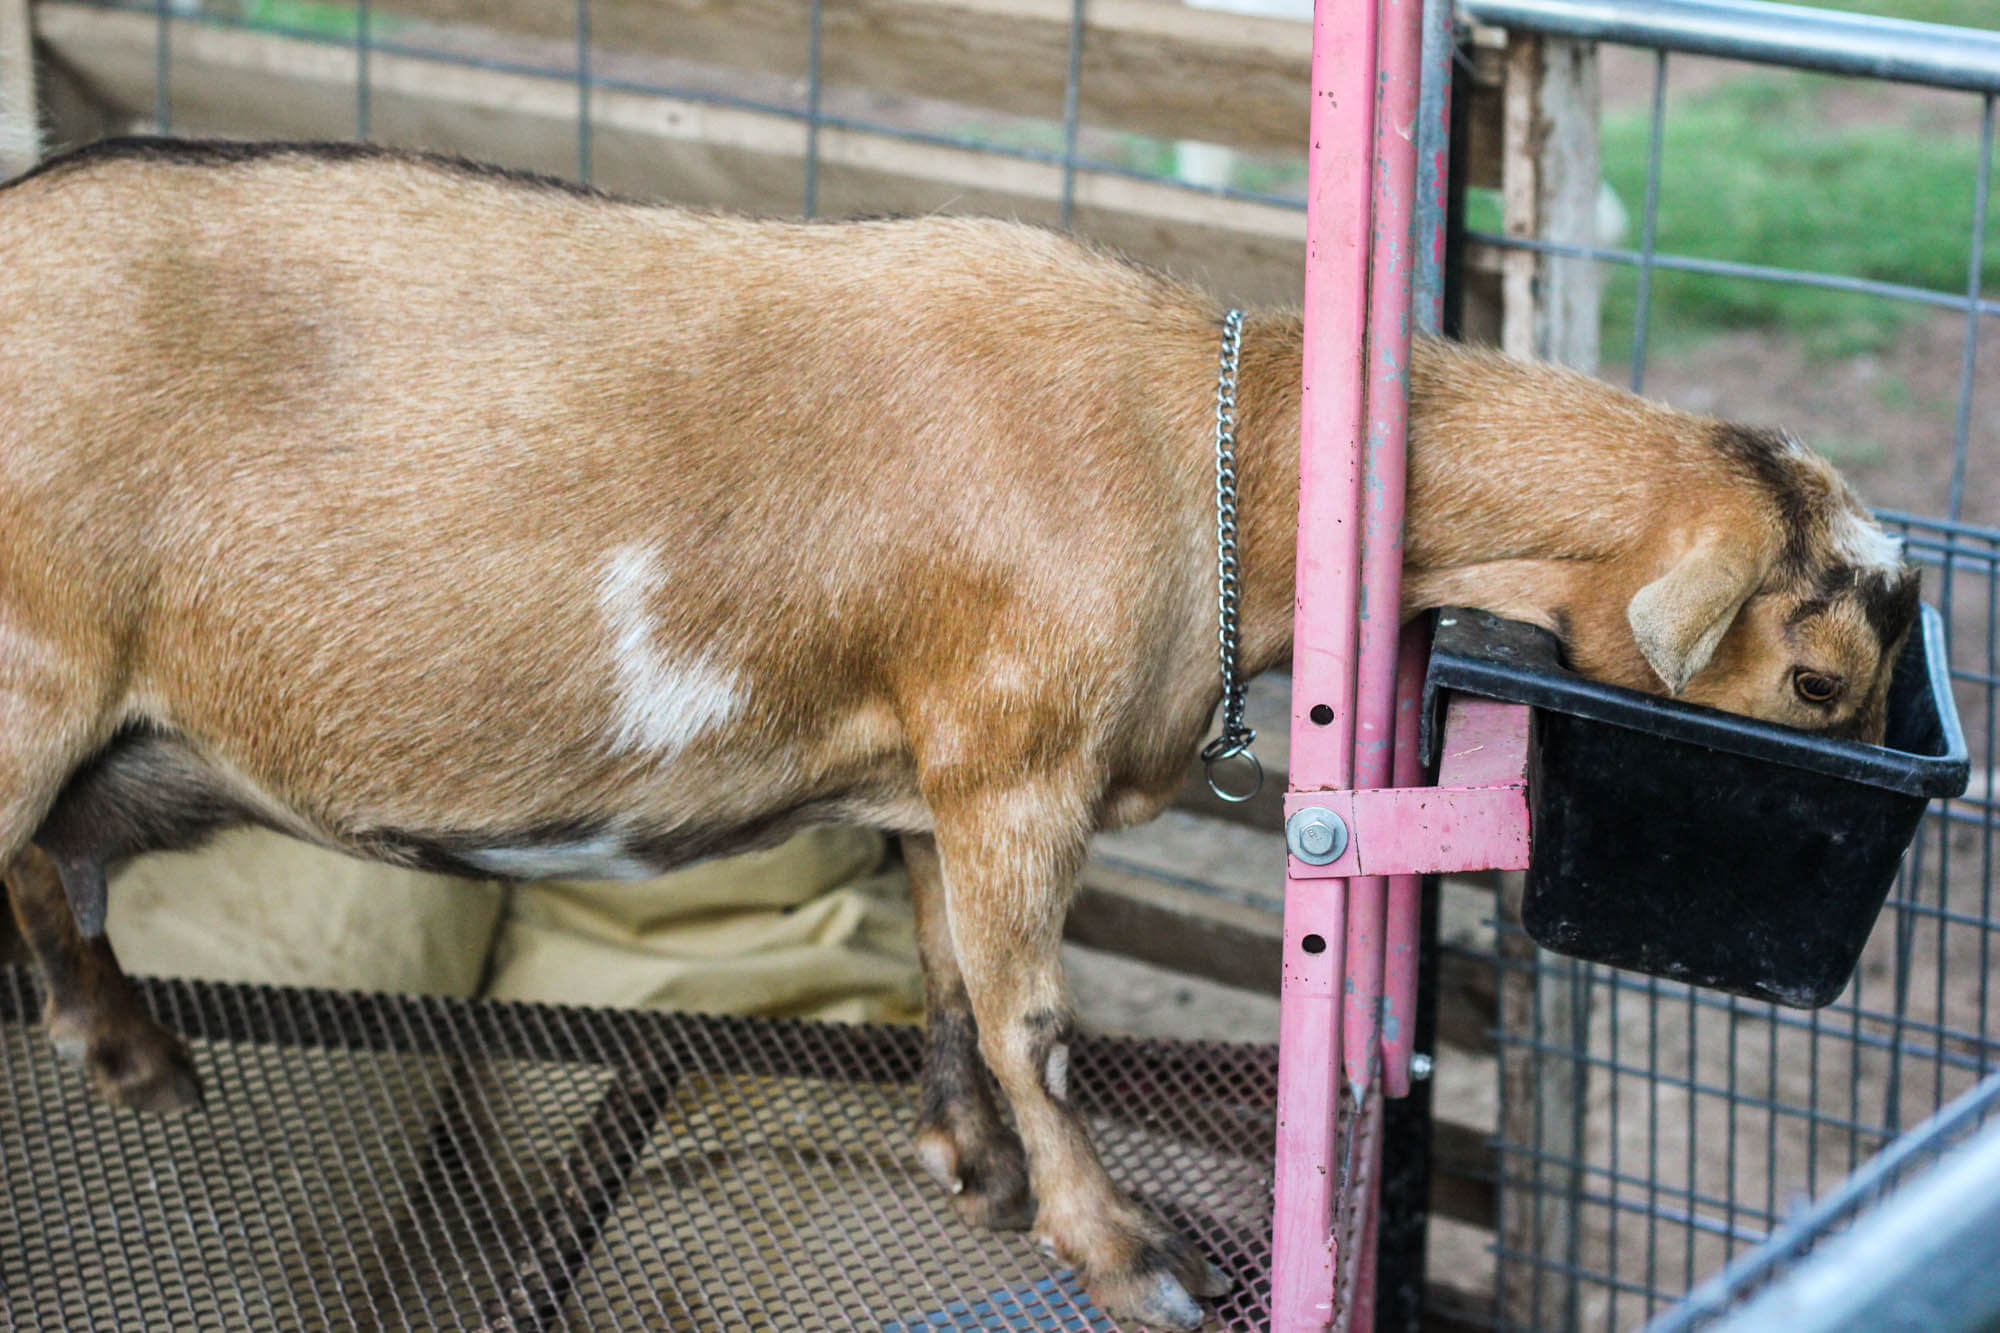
(518, 856)
(148, 790)
(623, 850)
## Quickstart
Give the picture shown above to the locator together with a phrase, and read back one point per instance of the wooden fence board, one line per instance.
(687, 150)
(1153, 67)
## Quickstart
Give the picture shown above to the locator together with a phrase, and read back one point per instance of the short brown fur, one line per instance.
(389, 494)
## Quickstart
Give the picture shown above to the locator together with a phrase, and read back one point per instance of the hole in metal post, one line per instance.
(1321, 715)
(1313, 944)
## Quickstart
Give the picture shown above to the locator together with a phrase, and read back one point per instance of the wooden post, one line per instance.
(1542, 1011)
(1549, 188)
(17, 61)
(35, 82)
(1549, 310)
(1571, 177)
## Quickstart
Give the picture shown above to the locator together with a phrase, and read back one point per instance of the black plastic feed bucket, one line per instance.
(1701, 846)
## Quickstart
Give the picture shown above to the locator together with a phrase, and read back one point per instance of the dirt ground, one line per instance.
(1887, 418)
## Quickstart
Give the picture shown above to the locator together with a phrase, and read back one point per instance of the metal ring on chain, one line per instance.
(1219, 752)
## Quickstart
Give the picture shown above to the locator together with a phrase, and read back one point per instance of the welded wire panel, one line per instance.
(1652, 1133)
(369, 1162)
(1690, 1125)
(1865, 1194)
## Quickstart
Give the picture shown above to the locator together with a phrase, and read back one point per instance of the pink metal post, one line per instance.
(1345, 700)
(1337, 207)
(1405, 907)
(1392, 268)
(1403, 925)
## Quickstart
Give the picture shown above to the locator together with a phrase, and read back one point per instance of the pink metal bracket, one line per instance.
(1476, 818)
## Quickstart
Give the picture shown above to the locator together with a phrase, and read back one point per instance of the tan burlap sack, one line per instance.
(811, 928)
(814, 927)
(254, 906)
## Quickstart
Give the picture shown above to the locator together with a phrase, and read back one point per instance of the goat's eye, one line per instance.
(1813, 687)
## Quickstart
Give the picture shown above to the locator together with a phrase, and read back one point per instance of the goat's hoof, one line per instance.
(987, 1177)
(163, 1079)
(1162, 1284)
(141, 1065)
(1008, 1210)
(1165, 1302)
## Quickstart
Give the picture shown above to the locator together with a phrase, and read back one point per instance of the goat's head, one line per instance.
(1801, 621)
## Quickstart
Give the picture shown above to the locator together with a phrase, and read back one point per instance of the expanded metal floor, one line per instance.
(370, 1162)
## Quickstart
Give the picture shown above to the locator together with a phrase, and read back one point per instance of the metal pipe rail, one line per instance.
(1814, 39)
(1921, 1257)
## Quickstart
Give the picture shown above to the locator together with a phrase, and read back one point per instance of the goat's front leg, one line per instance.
(1010, 860)
(961, 1138)
(94, 1017)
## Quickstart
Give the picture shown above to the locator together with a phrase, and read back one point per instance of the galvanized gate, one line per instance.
(1650, 1132)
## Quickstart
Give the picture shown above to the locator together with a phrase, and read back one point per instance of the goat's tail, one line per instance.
(20, 139)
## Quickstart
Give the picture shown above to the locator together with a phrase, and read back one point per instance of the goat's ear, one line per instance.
(1680, 617)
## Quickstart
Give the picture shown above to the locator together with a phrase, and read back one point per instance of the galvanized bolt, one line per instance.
(1420, 1066)
(1316, 835)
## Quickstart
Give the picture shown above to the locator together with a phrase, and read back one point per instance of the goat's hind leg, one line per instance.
(53, 716)
(94, 1017)
(962, 1139)
(142, 791)
(1009, 874)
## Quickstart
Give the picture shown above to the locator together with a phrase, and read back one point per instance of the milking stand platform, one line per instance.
(377, 1162)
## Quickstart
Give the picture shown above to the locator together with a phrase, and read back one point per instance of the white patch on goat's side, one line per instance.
(1861, 542)
(661, 705)
(26, 656)
(29, 671)
(601, 857)
(1055, 1076)
(1009, 673)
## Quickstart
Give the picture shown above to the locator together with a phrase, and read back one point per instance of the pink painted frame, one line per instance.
(1349, 965)
(1304, 1255)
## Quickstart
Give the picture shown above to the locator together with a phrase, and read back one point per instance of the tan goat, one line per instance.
(470, 521)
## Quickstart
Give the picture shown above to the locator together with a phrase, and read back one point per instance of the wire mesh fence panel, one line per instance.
(1700, 1121)
(1102, 121)
(1886, 1248)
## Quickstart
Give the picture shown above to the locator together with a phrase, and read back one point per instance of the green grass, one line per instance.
(1964, 13)
(317, 19)
(1753, 172)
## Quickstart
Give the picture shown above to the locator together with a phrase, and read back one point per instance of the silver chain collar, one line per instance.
(1235, 740)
